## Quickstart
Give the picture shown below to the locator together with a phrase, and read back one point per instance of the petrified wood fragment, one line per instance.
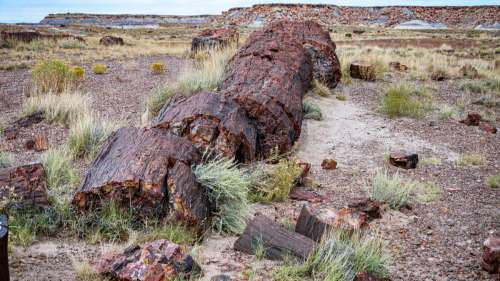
(154, 261)
(145, 169)
(267, 78)
(402, 160)
(214, 38)
(109, 40)
(210, 121)
(25, 183)
(13, 129)
(276, 240)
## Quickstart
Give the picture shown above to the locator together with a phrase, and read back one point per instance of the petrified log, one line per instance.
(276, 240)
(111, 40)
(302, 194)
(25, 183)
(214, 38)
(315, 222)
(28, 36)
(157, 260)
(267, 78)
(210, 121)
(362, 70)
(368, 206)
(149, 170)
(23, 122)
(4, 252)
(402, 160)
(491, 255)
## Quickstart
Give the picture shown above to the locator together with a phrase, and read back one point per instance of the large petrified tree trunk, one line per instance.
(210, 121)
(276, 240)
(145, 169)
(4, 253)
(25, 183)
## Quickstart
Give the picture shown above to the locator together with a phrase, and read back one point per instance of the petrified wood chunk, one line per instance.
(276, 240)
(4, 252)
(38, 143)
(314, 222)
(473, 119)
(214, 38)
(210, 120)
(362, 70)
(366, 205)
(23, 122)
(329, 164)
(267, 78)
(145, 169)
(26, 183)
(154, 261)
(109, 40)
(491, 255)
(405, 161)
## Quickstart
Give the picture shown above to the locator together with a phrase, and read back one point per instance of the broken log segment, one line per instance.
(137, 167)
(276, 240)
(4, 252)
(314, 222)
(210, 120)
(13, 129)
(24, 183)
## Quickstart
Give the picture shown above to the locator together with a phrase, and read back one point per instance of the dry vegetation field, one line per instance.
(435, 218)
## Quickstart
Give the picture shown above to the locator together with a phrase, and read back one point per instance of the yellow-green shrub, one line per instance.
(78, 72)
(52, 76)
(99, 68)
(157, 67)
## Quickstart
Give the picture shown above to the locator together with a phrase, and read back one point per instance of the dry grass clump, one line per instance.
(157, 100)
(6, 159)
(228, 186)
(471, 159)
(52, 76)
(84, 271)
(87, 134)
(493, 181)
(428, 192)
(99, 69)
(311, 110)
(405, 100)
(392, 190)
(321, 89)
(71, 43)
(78, 72)
(157, 67)
(58, 167)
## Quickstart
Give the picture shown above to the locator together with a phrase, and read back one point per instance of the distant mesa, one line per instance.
(420, 24)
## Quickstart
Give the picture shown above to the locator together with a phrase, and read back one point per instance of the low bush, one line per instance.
(341, 97)
(86, 135)
(99, 69)
(52, 76)
(404, 100)
(84, 271)
(64, 108)
(78, 72)
(157, 100)
(446, 112)
(311, 111)
(471, 159)
(71, 43)
(176, 233)
(157, 68)
(428, 192)
(59, 169)
(391, 189)
(493, 181)
(228, 186)
(321, 89)
(6, 159)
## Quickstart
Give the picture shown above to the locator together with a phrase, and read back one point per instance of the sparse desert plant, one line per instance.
(64, 108)
(71, 43)
(431, 161)
(157, 100)
(446, 112)
(471, 159)
(86, 135)
(493, 181)
(274, 182)
(228, 186)
(26, 224)
(341, 97)
(6, 159)
(99, 69)
(52, 76)
(58, 168)
(84, 271)
(78, 72)
(176, 233)
(157, 68)
(390, 189)
(321, 89)
(405, 100)
(428, 192)
(311, 110)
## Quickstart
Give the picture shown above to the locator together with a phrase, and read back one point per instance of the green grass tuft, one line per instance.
(99, 69)
(404, 100)
(6, 159)
(471, 159)
(321, 89)
(157, 100)
(392, 190)
(493, 181)
(59, 169)
(86, 135)
(311, 111)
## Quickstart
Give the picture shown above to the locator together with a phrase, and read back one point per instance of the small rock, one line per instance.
(487, 127)
(221, 277)
(111, 40)
(329, 164)
(214, 38)
(468, 71)
(398, 66)
(473, 119)
(491, 255)
(366, 205)
(365, 276)
(497, 65)
(358, 31)
(439, 76)
(404, 161)
(348, 35)
(39, 143)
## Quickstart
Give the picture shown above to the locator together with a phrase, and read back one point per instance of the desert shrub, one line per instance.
(274, 182)
(26, 224)
(481, 87)
(52, 76)
(404, 100)
(157, 100)
(157, 68)
(78, 72)
(428, 192)
(320, 88)
(71, 43)
(471, 159)
(99, 69)
(446, 112)
(176, 233)
(6, 159)
(84, 271)
(311, 111)
(64, 108)
(86, 135)
(493, 181)
(341, 97)
(228, 186)
(59, 169)
(390, 189)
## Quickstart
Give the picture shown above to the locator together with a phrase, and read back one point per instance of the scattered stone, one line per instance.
(439, 76)
(215, 38)
(39, 143)
(302, 194)
(25, 183)
(221, 277)
(12, 131)
(155, 261)
(362, 70)
(487, 127)
(109, 40)
(314, 221)
(398, 66)
(329, 164)
(473, 119)
(368, 206)
(348, 35)
(468, 71)
(405, 161)
(491, 255)
(358, 31)
(497, 65)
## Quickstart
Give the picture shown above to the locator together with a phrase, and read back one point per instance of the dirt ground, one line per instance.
(441, 240)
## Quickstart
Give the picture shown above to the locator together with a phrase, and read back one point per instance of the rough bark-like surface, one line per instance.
(214, 38)
(276, 240)
(368, 206)
(362, 70)
(491, 255)
(4, 252)
(156, 261)
(267, 78)
(402, 160)
(210, 121)
(23, 122)
(314, 222)
(111, 40)
(27, 183)
(135, 167)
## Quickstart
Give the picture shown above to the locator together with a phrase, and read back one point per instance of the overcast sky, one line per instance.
(34, 10)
